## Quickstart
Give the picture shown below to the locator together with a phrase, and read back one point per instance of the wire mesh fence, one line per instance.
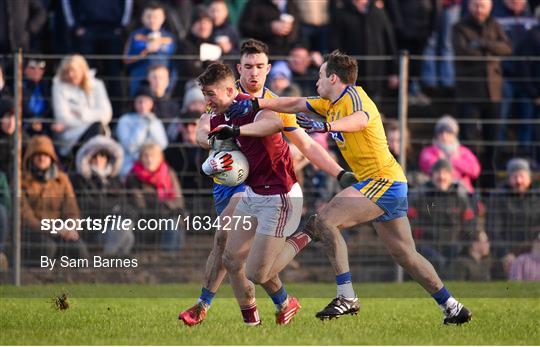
(451, 226)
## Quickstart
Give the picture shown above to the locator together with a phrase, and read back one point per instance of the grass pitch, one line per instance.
(503, 313)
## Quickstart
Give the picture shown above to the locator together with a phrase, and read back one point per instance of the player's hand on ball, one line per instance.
(242, 108)
(346, 179)
(217, 162)
(312, 126)
(223, 132)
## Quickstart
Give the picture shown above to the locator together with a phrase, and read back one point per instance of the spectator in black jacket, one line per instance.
(305, 69)
(512, 214)
(98, 27)
(36, 95)
(277, 23)
(200, 32)
(7, 129)
(441, 215)
(164, 107)
(19, 21)
(529, 71)
(515, 19)
(414, 22)
(373, 35)
(225, 34)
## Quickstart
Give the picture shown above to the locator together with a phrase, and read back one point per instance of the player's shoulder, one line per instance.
(268, 94)
(355, 95)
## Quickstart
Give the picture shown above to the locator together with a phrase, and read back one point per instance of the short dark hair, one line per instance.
(154, 5)
(214, 73)
(442, 164)
(157, 67)
(344, 66)
(253, 46)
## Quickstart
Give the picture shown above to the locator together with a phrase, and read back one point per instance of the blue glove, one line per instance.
(312, 126)
(242, 108)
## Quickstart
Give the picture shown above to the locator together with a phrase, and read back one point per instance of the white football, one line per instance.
(238, 174)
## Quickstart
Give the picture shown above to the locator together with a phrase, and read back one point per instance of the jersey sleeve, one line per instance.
(317, 105)
(289, 121)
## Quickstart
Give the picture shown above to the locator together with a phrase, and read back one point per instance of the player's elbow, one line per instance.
(276, 124)
(361, 124)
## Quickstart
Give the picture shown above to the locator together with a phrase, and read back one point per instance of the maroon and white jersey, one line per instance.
(270, 162)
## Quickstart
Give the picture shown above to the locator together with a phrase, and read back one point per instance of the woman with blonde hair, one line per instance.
(80, 103)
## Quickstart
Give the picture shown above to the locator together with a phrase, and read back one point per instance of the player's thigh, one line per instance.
(225, 221)
(396, 235)
(264, 251)
(348, 208)
(277, 215)
(239, 239)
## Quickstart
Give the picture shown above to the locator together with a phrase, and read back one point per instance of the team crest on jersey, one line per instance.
(337, 136)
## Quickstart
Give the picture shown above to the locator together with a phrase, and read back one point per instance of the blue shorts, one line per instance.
(389, 195)
(223, 194)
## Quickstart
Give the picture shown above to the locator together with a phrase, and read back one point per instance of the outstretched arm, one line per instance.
(284, 104)
(350, 124)
(266, 123)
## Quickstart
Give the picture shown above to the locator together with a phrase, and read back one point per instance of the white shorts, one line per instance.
(277, 215)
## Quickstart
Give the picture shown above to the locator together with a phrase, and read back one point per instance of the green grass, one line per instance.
(504, 313)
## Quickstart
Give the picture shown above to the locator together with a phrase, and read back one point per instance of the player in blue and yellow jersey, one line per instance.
(380, 196)
(253, 69)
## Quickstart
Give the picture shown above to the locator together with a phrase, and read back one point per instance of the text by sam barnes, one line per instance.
(95, 262)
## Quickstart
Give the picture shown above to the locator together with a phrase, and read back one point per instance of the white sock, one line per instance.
(346, 290)
(451, 303)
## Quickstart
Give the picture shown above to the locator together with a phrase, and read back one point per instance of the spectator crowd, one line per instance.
(116, 134)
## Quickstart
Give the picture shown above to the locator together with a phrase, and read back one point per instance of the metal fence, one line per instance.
(442, 233)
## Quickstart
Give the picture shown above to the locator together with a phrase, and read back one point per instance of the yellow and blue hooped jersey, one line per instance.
(365, 151)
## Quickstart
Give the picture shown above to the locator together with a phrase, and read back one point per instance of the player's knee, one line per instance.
(326, 220)
(403, 256)
(320, 226)
(257, 276)
(232, 262)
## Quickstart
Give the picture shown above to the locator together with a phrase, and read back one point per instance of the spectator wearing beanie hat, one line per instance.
(446, 146)
(280, 77)
(138, 127)
(513, 217)
(192, 107)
